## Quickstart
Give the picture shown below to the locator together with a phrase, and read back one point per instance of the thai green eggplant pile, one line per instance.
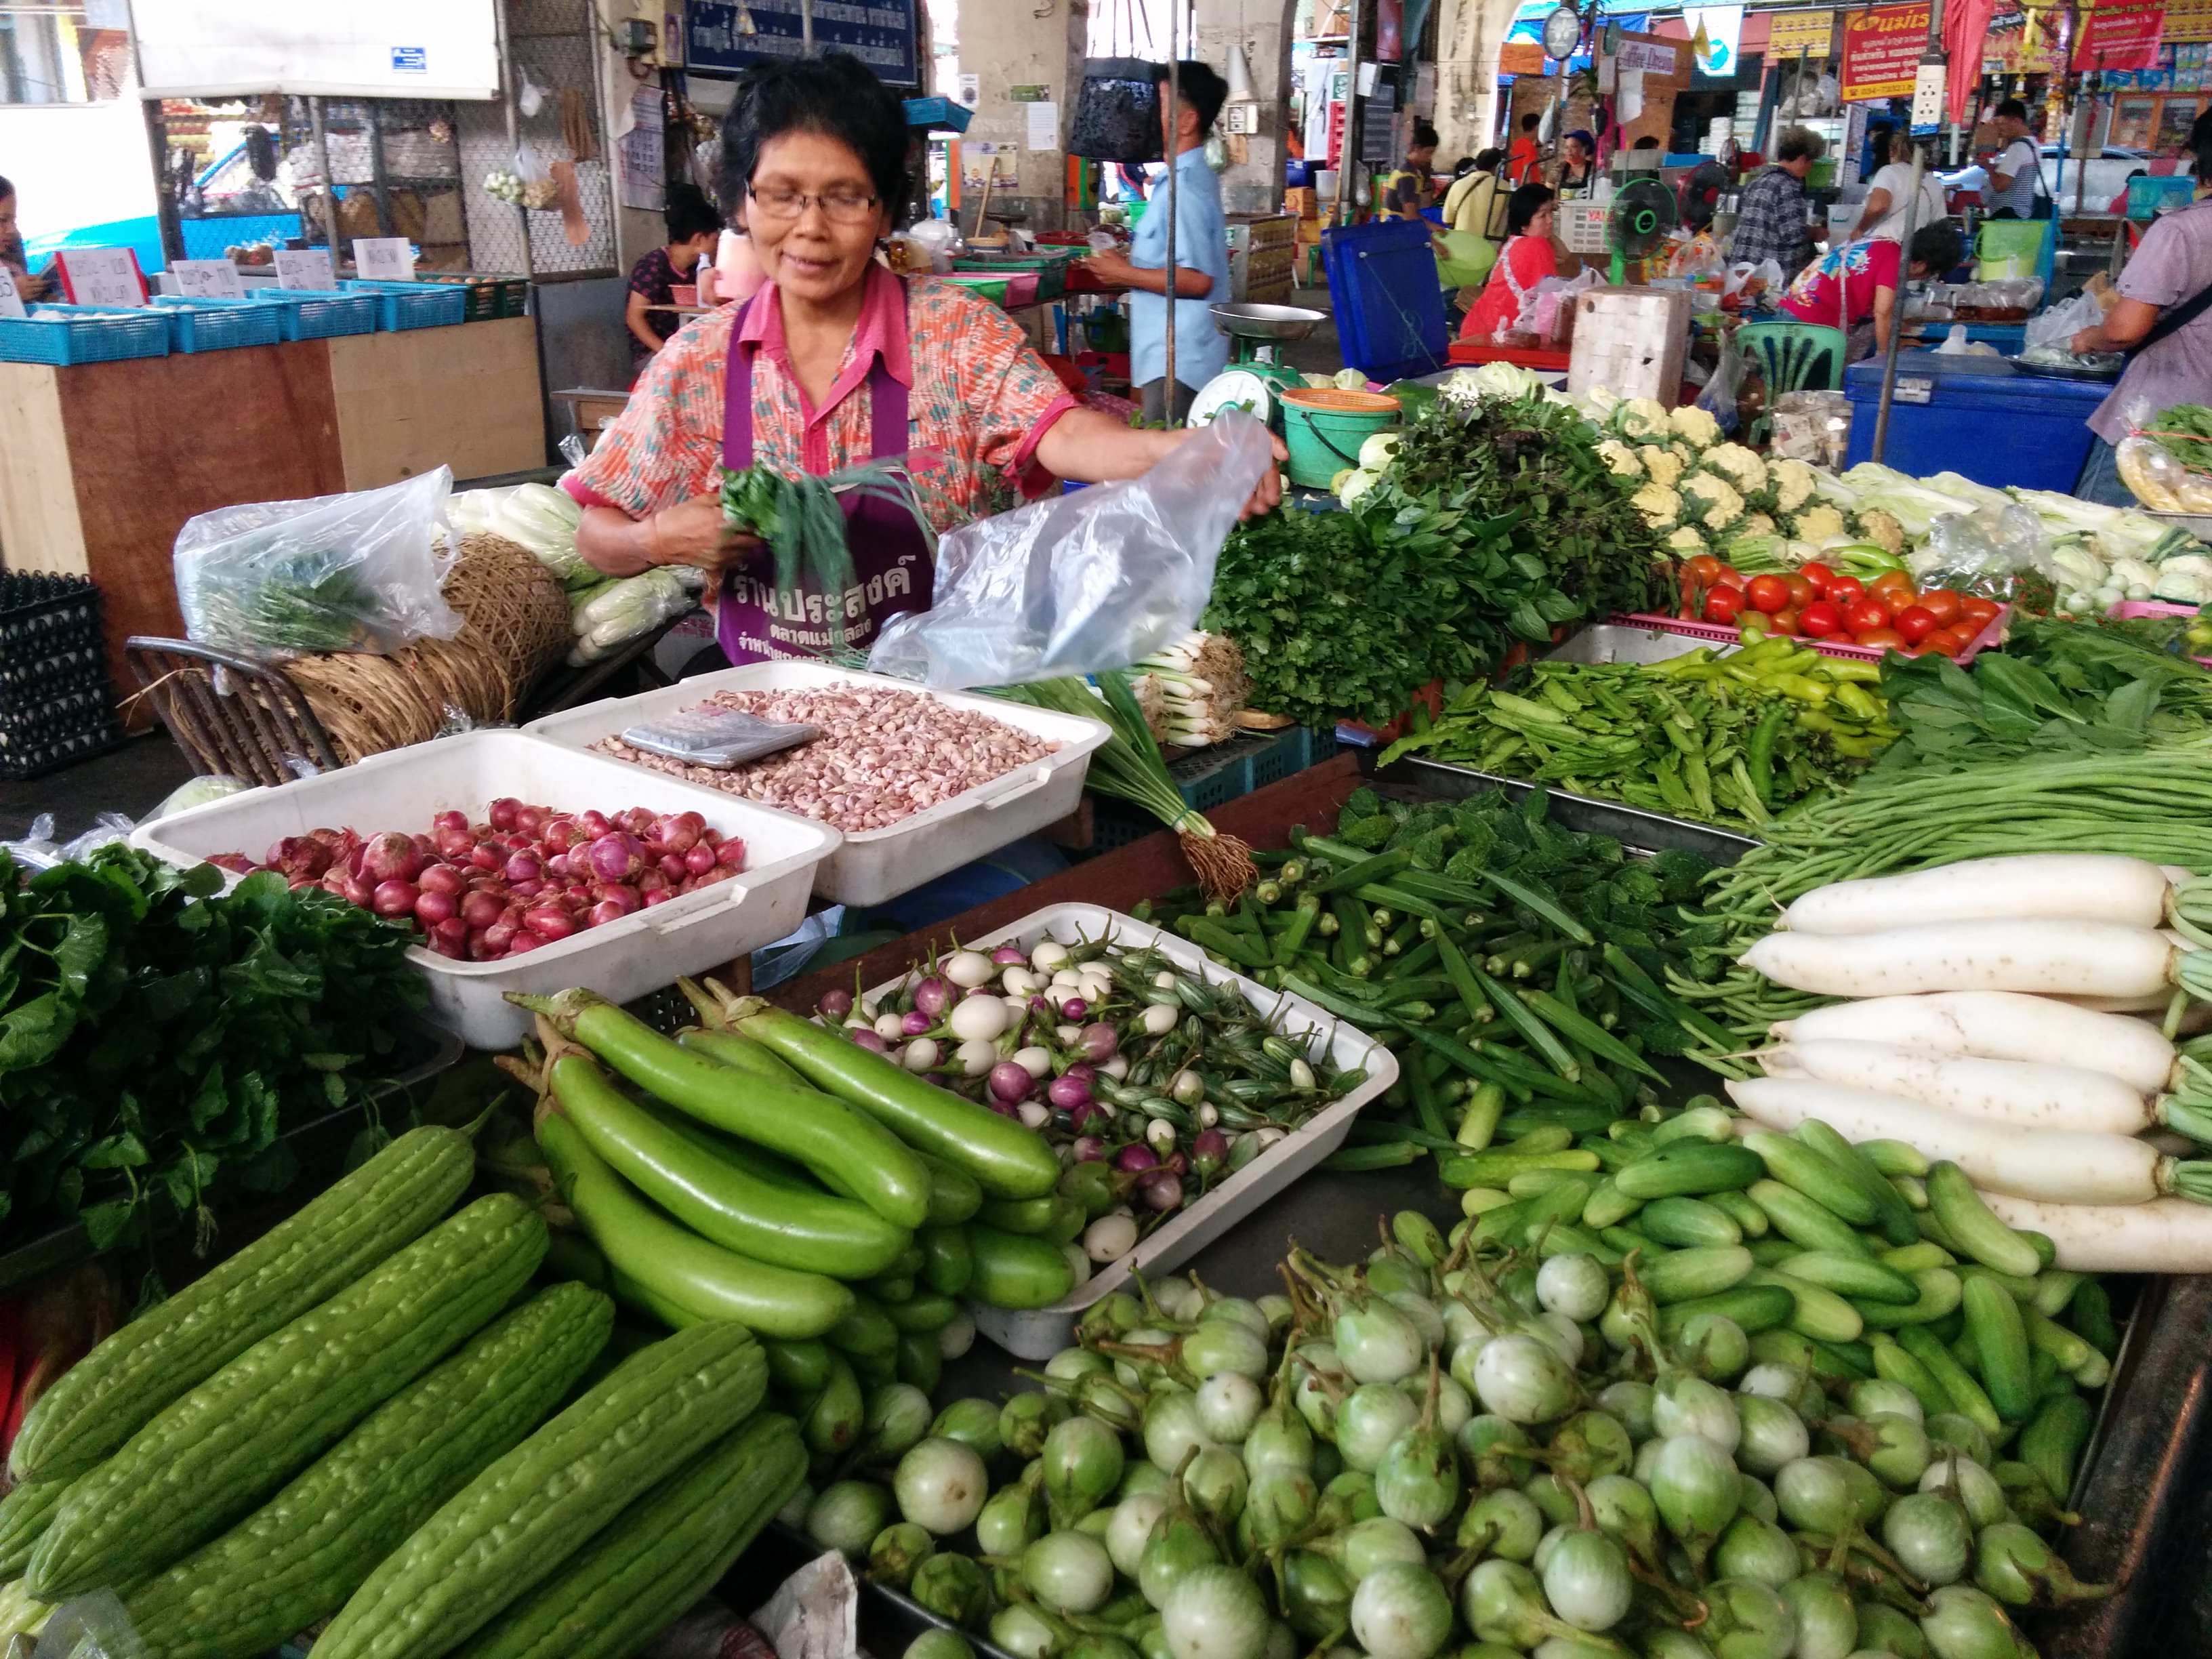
(1151, 1080)
(359, 1417)
(761, 1169)
(1502, 958)
(1756, 1431)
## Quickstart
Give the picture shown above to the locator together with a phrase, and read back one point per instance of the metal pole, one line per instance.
(1347, 162)
(330, 185)
(806, 27)
(513, 127)
(1903, 256)
(1175, 166)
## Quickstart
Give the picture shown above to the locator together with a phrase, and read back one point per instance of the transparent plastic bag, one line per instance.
(1082, 583)
(335, 572)
(1718, 399)
(2161, 479)
(93, 1626)
(2058, 326)
(1986, 551)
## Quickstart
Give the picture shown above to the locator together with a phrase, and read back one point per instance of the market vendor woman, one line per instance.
(834, 362)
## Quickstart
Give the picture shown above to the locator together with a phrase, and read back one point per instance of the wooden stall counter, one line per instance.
(102, 464)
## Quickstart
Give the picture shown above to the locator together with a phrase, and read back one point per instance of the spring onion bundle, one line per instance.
(803, 523)
(1193, 690)
(1130, 767)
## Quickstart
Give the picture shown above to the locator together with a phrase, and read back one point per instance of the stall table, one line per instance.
(102, 464)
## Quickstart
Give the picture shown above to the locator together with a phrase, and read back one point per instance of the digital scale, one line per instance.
(1256, 375)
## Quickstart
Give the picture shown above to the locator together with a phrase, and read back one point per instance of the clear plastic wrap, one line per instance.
(2058, 326)
(359, 572)
(2161, 480)
(1081, 583)
(1987, 551)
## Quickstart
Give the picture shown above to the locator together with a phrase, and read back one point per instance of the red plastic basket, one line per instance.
(1992, 635)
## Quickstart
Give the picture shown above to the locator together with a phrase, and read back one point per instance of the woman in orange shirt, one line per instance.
(1526, 260)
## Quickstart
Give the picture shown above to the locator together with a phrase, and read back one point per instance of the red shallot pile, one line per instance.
(883, 755)
(530, 876)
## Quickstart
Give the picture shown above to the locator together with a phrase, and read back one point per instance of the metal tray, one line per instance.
(1632, 826)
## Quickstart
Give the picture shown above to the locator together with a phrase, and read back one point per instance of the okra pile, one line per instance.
(1661, 1393)
(1728, 740)
(1495, 952)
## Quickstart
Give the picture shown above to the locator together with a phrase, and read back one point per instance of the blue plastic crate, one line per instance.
(2043, 420)
(1208, 778)
(1388, 301)
(82, 334)
(313, 313)
(938, 114)
(416, 305)
(217, 325)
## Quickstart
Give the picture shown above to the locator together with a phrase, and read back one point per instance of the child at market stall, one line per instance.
(694, 228)
(1854, 287)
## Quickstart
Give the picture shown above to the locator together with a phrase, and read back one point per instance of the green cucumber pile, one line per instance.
(1664, 1394)
(762, 1169)
(358, 1418)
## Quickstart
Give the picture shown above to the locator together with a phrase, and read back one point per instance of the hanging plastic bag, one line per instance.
(1718, 399)
(1082, 583)
(1117, 111)
(2058, 326)
(335, 572)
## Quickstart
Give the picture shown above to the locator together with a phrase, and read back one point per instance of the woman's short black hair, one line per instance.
(1524, 205)
(690, 214)
(836, 95)
(1938, 246)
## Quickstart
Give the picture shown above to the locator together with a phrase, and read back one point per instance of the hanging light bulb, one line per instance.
(1240, 78)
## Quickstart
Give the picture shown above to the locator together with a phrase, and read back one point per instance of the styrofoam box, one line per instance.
(872, 865)
(1040, 1332)
(403, 789)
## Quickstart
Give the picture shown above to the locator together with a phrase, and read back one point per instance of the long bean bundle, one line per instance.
(2156, 807)
(1130, 766)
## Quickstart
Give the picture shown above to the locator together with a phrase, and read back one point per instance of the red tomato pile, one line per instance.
(1820, 604)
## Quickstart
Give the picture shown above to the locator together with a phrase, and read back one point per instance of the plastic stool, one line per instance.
(1796, 357)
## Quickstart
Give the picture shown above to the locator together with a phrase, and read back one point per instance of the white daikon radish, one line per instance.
(2059, 958)
(2059, 1165)
(2029, 1096)
(1999, 1025)
(2050, 887)
(2166, 1235)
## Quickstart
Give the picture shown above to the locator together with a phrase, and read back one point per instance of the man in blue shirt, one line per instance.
(1201, 274)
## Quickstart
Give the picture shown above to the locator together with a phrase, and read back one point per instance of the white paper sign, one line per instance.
(306, 267)
(1628, 99)
(102, 276)
(11, 303)
(208, 279)
(1043, 131)
(384, 258)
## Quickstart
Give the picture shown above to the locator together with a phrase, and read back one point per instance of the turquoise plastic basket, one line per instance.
(218, 325)
(64, 335)
(313, 313)
(401, 306)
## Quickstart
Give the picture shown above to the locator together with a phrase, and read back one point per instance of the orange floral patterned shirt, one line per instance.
(978, 395)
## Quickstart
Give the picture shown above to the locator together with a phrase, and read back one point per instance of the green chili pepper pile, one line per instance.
(1729, 740)
(1506, 961)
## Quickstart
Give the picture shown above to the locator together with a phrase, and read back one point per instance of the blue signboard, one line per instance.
(410, 60)
(880, 35)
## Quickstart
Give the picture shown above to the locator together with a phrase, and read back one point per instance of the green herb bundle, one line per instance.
(156, 1033)
(2184, 431)
(310, 601)
(802, 522)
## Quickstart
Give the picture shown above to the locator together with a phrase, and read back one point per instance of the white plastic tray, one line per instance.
(872, 865)
(402, 790)
(1040, 1332)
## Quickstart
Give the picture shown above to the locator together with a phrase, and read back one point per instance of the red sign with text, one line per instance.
(2120, 36)
(1881, 51)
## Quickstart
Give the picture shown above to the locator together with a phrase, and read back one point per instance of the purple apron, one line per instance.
(893, 571)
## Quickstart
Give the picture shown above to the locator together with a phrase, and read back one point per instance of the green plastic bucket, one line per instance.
(2010, 247)
(1324, 428)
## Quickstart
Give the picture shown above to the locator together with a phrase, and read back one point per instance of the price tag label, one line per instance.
(306, 267)
(384, 258)
(208, 279)
(101, 276)
(11, 303)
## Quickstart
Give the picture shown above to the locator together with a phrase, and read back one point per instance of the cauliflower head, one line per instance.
(1659, 505)
(1686, 543)
(1695, 425)
(1620, 458)
(1883, 529)
(1757, 524)
(1793, 482)
(1713, 501)
(1661, 464)
(1817, 523)
(1642, 417)
(1738, 465)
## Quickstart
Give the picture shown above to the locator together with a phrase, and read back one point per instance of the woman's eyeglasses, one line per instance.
(843, 207)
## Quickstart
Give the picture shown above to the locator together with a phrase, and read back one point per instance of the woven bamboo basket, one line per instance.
(514, 625)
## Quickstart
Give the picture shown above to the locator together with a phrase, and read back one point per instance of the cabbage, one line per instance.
(1375, 453)
(1350, 379)
(621, 611)
(198, 792)
(1357, 484)
(1320, 382)
(1506, 380)
(543, 521)
(2186, 580)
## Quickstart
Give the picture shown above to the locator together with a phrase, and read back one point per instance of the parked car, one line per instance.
(2102, 177)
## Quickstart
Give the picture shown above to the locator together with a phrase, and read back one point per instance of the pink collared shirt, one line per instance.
(978, 395)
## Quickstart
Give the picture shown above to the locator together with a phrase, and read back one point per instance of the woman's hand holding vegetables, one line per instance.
(695, 532)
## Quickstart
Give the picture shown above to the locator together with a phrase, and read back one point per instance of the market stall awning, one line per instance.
(335, 49)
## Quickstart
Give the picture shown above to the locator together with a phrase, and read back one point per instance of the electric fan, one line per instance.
(1642, 212)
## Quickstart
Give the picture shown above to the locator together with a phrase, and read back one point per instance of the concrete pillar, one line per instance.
(1254, 182)
(1020, 43)
(1468, 35)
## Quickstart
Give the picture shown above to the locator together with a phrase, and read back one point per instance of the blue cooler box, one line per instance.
(1997, 428)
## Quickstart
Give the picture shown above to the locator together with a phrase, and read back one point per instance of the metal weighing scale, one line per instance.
(1256, 375)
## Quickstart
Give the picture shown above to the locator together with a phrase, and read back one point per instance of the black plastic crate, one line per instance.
(57, 703)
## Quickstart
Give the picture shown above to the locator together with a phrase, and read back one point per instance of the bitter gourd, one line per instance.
(25, 1514)
(295, 1559)
(214, 1455)
(658, 1555)
(514, 1524)
(109, 1394)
